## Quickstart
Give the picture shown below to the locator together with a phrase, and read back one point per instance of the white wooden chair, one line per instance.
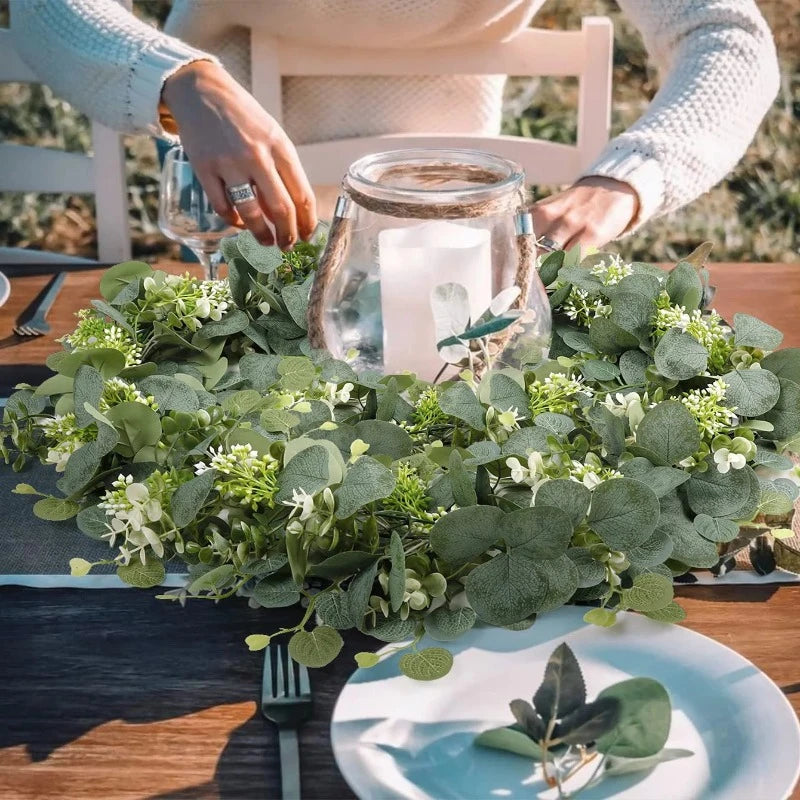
(585, 53)
(42, 169)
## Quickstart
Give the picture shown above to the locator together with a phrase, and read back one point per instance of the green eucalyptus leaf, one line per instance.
(510, 740)
(633, 365)
(679, 356)
(651, 552)
(540, 532)
(644, 721)
(92, 521)
(170, 393)
(429, 664)
(569, 496)
(684, 286)
(275, 592)
(446, 624)
(716, 530)
(315, 648)
(717, 494)
(549, 266)
(296, 373)
(308, 470)
(648, 593)
(784, 363)
(752, 332)
(234, 321)
(668, 431)
(505, 589)
(558, 424)
(142, 576)
(342, 565)
(295, 297)
(333, 609)
(462, 481)
(188, 499)
(483, 453)
(262, 258)
(590, 572)
(466, 533)
(261, 370)
(785, 414)
(116, 278)
(624, 512)
(608, 337)
(137, 424)
(460, 401)
(88, 388)
(751, 392)
(55, 509)
(609, 427)
(397, 572)
(598, 370)
(670, 613)
(501, 390)
(525, 441)
(364, 482)
(384, 438)
(633, 313)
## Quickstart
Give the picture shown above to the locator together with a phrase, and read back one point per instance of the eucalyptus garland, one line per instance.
(191, 420)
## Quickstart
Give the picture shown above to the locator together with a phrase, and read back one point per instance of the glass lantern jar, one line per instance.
(430, 267)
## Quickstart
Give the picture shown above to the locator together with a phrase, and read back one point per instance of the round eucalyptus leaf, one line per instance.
(679, 356)
(505, 589)
(624, 512)
(446, 624)
(751, 392)
(315, 648)
(669, 432)
(429, 664)
(142, 576)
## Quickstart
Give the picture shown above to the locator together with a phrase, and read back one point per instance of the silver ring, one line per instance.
(241, 193)
(546, 243)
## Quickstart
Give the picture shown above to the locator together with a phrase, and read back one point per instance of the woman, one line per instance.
(719, 77)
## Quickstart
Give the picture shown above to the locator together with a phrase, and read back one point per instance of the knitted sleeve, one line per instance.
(99, 57)
(719, 76)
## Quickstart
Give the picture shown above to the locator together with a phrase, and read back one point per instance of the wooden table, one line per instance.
(113, 695)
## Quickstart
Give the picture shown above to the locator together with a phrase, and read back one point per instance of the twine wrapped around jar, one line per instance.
(431, 173)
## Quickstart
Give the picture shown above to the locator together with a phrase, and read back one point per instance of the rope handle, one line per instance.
(335, 254)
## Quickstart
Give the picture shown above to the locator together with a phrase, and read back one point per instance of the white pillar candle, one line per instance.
(412, 262)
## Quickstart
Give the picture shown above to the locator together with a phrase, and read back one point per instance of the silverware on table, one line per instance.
(286, 701)
(32, 322)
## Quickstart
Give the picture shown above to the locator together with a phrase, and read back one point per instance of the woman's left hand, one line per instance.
(592, 212)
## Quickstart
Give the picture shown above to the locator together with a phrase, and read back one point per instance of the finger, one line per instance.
(276, 203)
(217, 196)
(250, 211)
(296, 182)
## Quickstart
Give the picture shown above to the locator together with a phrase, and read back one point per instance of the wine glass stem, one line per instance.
(209, 263)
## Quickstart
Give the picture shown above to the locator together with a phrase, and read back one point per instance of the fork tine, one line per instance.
(267, 678)
(301, 678)
(281, 689)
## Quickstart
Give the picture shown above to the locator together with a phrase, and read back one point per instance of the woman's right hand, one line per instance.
(230, 140)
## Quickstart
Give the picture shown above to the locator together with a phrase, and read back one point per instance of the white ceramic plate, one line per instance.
(394, 738)
(5, 289)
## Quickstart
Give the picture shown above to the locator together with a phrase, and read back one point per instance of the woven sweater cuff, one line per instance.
(639, 171)
(148, 73)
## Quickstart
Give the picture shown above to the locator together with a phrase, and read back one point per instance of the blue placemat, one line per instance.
(35, 552)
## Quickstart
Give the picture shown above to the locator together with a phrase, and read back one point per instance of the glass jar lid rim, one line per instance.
(493, 174)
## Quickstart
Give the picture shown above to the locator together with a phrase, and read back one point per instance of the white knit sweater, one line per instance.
(717, 60)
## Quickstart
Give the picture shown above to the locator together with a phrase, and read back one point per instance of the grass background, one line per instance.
(753, 215)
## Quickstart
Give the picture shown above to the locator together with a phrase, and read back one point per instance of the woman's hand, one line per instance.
(592, 212)
(230, 140)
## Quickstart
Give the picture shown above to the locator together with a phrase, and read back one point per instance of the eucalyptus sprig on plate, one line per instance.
(191, 420)
(623, 730)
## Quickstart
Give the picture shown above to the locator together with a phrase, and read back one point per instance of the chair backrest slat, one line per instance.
(585, 54)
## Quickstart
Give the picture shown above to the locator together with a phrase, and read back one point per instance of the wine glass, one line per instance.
(185, 214)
